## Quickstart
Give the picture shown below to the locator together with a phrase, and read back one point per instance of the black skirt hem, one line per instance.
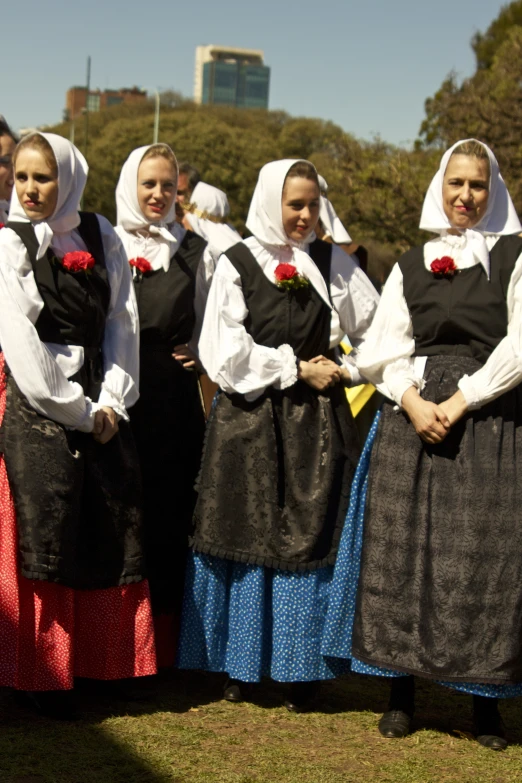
(477, 679)
(257, 560)
(104, 583)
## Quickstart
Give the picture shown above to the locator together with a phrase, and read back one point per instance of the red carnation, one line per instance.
(78, 261)
(141, 264)
(285, 272)
(444, 267)
(2, 225)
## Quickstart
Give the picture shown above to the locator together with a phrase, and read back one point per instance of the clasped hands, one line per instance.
(433, 422)
(321, 373)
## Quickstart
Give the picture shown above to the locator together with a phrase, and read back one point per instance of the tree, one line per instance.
(485, 45)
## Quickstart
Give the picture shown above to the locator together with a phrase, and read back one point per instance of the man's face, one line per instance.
(184, 191)
(7, 146)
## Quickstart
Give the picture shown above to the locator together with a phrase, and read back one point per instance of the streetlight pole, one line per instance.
(156, 118)
(88, 88)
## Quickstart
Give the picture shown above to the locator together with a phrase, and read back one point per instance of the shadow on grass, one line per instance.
(104, 745)
(38, 750)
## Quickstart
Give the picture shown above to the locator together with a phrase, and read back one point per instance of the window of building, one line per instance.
(93, 103)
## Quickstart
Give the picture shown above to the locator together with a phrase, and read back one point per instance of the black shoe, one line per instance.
(489, 732)
(301, 696)
(232, 690)
(59, 705)
(395, 724)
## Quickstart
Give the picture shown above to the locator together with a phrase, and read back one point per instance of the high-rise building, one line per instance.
(77, 99)
(232, 77)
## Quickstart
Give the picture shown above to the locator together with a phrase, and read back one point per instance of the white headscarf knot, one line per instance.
(499, 218)
(72, 177)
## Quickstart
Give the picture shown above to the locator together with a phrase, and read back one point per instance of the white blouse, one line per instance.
(159, 254)
(229, 354)
(386, 358)
(42, 370)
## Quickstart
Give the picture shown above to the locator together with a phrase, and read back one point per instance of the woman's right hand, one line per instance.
(429, 420)
(320, 375)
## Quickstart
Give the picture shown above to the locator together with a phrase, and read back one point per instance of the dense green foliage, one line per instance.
(485, 45)
(377, 189)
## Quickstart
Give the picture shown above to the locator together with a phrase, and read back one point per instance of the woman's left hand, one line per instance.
(186, 357)
(455, 407)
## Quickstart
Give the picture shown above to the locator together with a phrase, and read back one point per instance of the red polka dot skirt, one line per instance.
(50, 633)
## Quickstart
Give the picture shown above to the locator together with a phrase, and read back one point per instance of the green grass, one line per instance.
(183, 732)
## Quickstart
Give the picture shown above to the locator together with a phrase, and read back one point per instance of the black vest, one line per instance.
(277, 316)
(75, 304)
(465, 315)
(166, 299)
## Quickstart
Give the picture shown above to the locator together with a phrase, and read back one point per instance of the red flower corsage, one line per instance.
(78, 261)
(444, 267)
(2, 225)
(141, 264)
(287, 276)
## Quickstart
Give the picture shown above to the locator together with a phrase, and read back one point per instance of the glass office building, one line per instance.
(232, 77)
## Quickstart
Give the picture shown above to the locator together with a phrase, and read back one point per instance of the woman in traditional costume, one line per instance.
(281, 444)
(73, 601)
(440, 587)
(171, 279)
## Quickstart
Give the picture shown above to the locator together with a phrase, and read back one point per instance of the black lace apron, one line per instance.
(440, 590)
(168, 421)
(78, 503)
(276, 473)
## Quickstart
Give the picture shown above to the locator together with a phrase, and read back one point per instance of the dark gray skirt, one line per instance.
(440, 590)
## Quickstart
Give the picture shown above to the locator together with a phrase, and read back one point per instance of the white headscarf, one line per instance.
(128, 213)
(328, 217)
(208, 199)
(265, 216)
(72, 177)
(499, 218)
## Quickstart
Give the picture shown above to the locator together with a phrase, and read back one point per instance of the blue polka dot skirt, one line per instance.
(337, 640)
(251, 621)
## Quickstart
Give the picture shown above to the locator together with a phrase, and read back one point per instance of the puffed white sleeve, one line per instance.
(32, 365)
(120, 349)
(503, 369)
(229, 354)
(355, 300)
(385, 355)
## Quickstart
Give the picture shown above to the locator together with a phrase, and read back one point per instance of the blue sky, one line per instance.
(366, 65)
